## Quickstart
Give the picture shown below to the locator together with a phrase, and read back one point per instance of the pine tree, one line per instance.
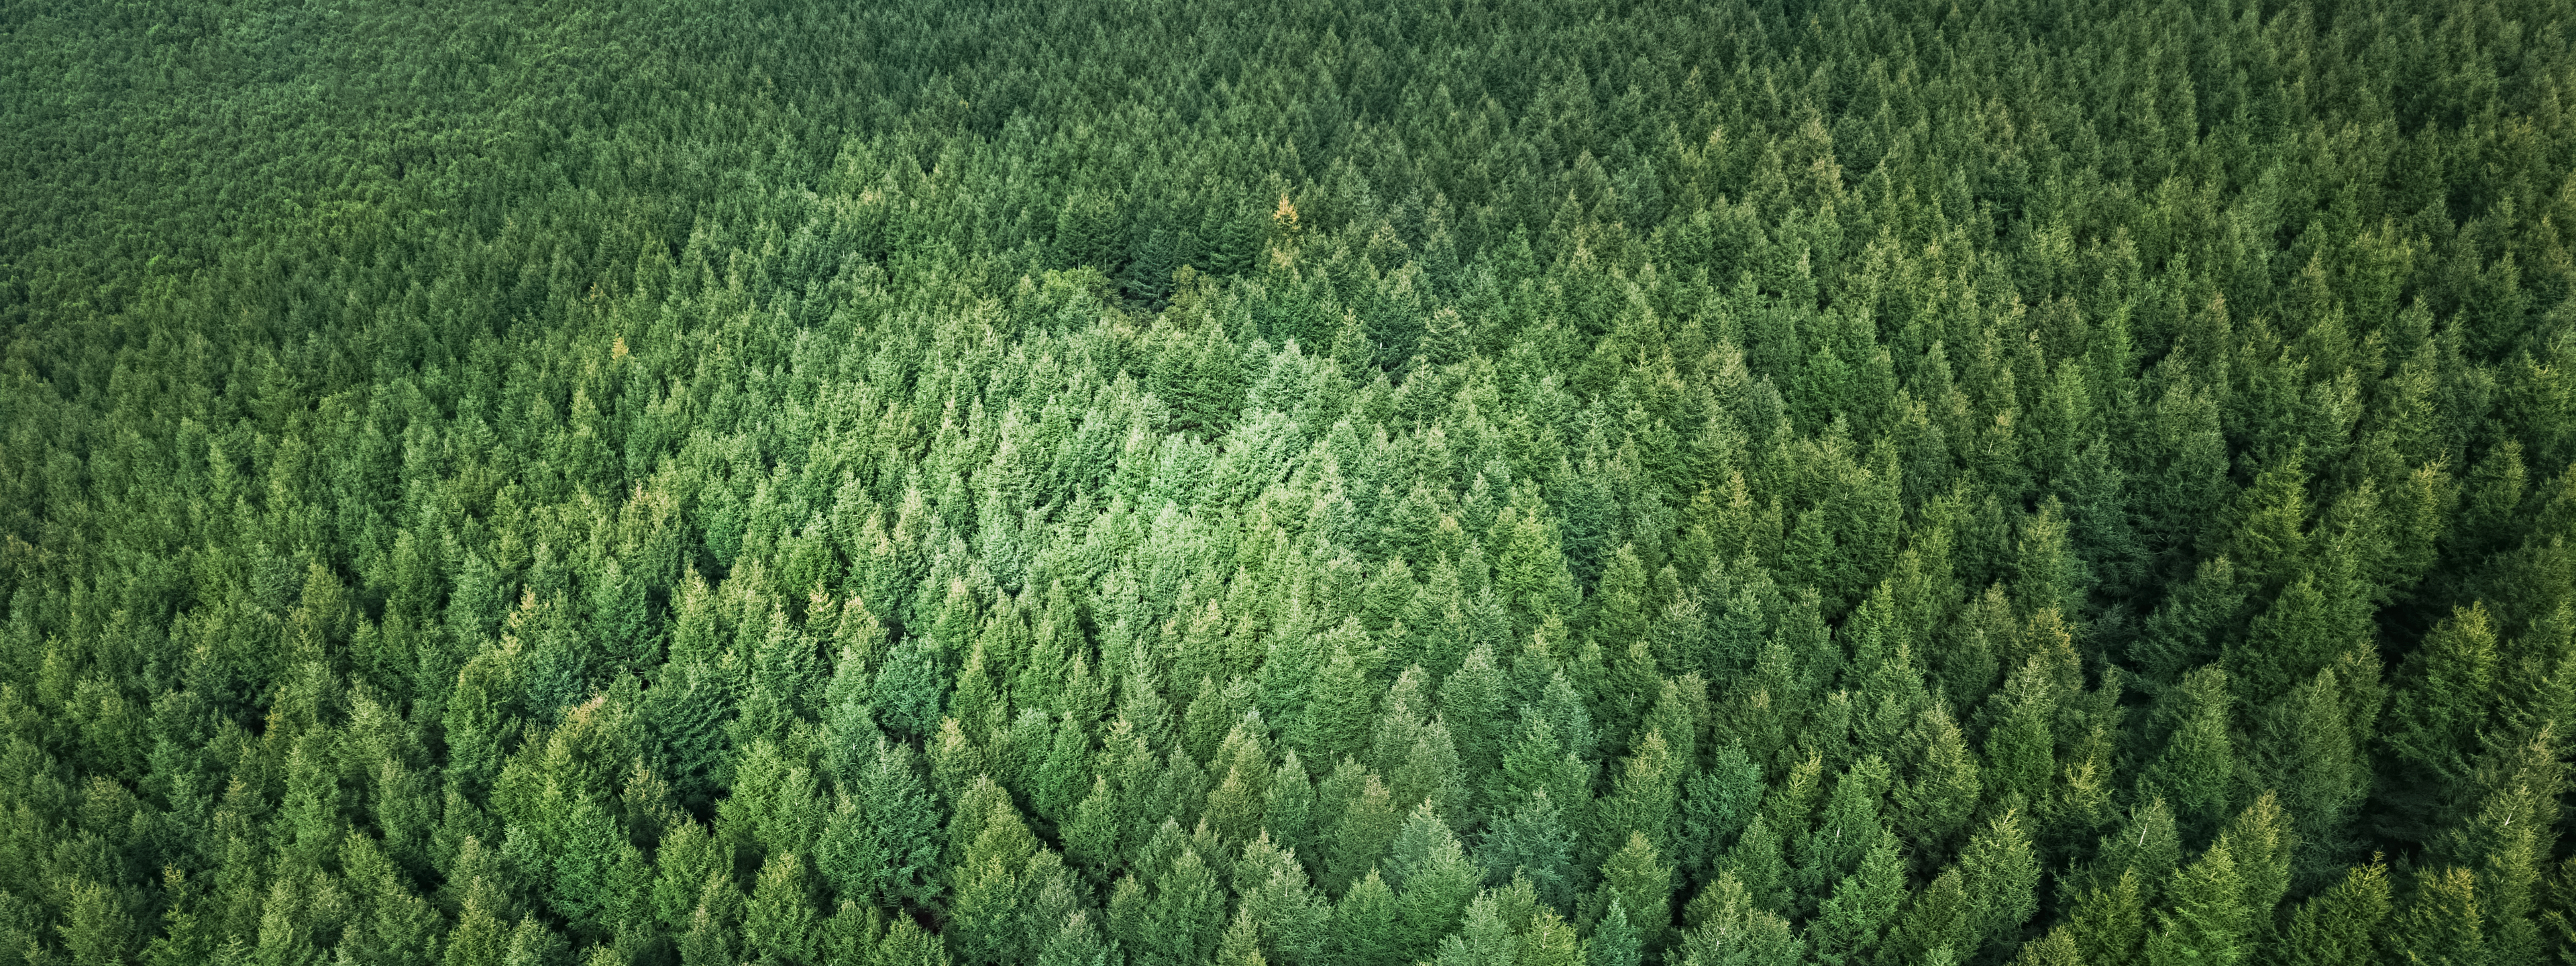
(2001, 878)
(1487, 939)
(1941, 787)
(2189, 629)
(1716, 804)
(1550, 940)
(907, 695)
(1938, 923)
(2108, 920)
(687, 712)
(849, 722)
(2507, 837)
(1541, 760)
(1288, 810)
(2307, 754)
(783, 673)
(1643, 797)
(1471, 701)
(2055, 949)
(687, 858)
(1847, 827)
(2300, 634)
(395, 926)
(1273, 891)
(989, 850)
(95, 928)
(1336, 723)
(1183, 921)
(2020, 751)
(2260, 842)
(715, 924)
(1757, 865)
(906, 944)
(1429, 772)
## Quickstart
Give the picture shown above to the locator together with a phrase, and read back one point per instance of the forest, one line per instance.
(1290, 483)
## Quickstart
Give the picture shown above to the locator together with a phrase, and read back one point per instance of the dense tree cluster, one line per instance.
(1310, 483)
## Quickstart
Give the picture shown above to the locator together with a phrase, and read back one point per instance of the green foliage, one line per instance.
(912, 483)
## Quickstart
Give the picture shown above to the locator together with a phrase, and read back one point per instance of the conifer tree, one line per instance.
(1851, 923)
(1471, 701)
(1728, 928)
(1942, 784)
(2339, 925)
(2206, 918)
(780, 925)
(2198, 770)
(1346, 471)
(909, 692)
(1614, 942)
(2444, 698)
(1550, 939)
(1636, 876)
(2440, 922)
(1433, 881)
(1532, 842)
(1357, 839)
(2001, 879)
(883, 842)
(1366, 924)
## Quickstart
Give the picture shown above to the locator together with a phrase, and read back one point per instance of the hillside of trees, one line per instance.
(1299, 483)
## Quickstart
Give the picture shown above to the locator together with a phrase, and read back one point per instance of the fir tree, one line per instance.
(2338, 925)
(2206, 919)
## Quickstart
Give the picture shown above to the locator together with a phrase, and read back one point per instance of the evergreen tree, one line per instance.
(1471, 702)
(780, 925)
(1365, 924)
(1636, 877)
(883, 841)
(1532, 842)
(1729, 929)
(972, 490)
(2198, 769)
(1433, 881)
(2440, 922)
(1716, 803)
(2339, 924)
(1851, 923)
(1356, 841)
(2001, 878)
(2108, 923)
(2207, 918)
(1614, 942)
(2445, 697)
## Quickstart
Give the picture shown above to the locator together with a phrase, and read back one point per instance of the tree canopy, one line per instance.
(1307, 483)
